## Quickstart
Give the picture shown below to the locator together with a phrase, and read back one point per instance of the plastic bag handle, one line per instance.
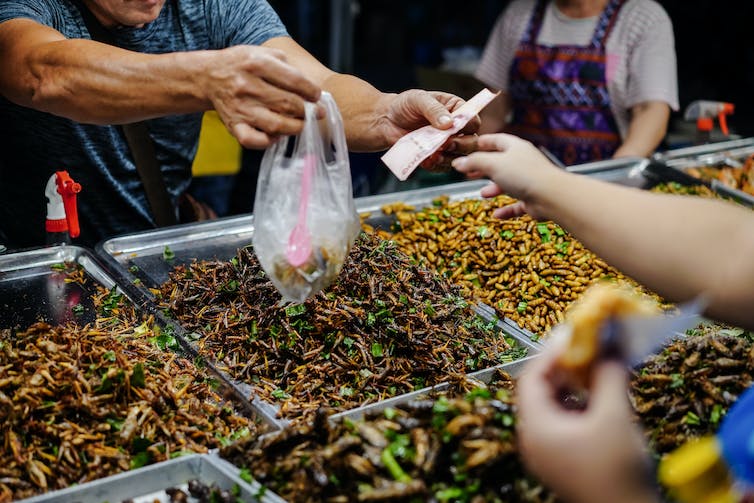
(337, 133)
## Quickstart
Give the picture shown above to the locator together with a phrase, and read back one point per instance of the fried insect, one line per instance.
(386, 327)
(741, 178)
(450, 448)
(528, 271)
(685, 391)
(81, 403)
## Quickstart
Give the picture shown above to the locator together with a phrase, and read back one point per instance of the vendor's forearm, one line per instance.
(361, 105)
(678, 246)
(78, 79)
(363, 108)
(649, 123)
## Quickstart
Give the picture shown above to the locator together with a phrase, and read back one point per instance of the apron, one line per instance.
(559, 93)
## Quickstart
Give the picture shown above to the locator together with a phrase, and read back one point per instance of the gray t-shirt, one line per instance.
(641, 62)
(33, 145)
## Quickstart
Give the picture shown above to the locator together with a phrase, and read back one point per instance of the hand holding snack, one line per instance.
(590, 327)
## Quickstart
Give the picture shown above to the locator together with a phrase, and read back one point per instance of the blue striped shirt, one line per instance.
(33, 145)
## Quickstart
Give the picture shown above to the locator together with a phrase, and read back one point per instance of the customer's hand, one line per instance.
(595, 455)
(515, 167)
(258, 95)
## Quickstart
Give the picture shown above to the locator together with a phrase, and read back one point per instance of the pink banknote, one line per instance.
(412, 149)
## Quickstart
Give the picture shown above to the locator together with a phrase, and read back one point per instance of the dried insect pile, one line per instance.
(448, 449)
(528, 271)
(685, 391)
(385, 327)
(81, 403)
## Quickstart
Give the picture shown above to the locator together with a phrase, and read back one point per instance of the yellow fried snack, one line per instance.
(600, 302)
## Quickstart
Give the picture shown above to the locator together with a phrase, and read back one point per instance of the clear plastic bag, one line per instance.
(304, 215)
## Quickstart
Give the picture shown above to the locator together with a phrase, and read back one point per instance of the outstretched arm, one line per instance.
(678, 246)
(257, 93)
(373, 120)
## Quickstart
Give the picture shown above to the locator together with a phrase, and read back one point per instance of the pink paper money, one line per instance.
(412, 149)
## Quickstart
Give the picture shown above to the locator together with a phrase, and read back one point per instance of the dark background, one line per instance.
(714, 42)
(714, 46)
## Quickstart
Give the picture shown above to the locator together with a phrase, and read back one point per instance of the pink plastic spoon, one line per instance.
(300, 241)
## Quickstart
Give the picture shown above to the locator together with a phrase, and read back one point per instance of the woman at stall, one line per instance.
(585, 79)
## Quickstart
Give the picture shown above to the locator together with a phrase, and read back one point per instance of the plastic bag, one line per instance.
(293, 207)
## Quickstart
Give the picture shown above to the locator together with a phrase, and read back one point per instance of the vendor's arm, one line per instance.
(373, 120)
(679, 246)
(649, 123)
(257, 93)
(652, 87)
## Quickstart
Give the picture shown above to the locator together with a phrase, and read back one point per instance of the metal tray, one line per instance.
(675, 171)
(140, 257)
(702, 150)
(623, 171)
(422, 197)
(148, 484)
(488, 313)
(513, 368)
(31, 290)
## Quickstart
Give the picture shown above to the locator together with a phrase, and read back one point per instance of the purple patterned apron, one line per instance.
(559, 93)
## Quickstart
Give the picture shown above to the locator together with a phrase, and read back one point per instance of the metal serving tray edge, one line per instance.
(151, 481)
(700, 150)
(626, 170)
(23, 261)
(510, 327)
(513, 368)
(623, 171)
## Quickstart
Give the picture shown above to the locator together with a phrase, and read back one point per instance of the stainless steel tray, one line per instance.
(623, 171)
(702, 150)
(509, 326)
(148, 484)
(626, 171)
(675, 171)
(32, 290)
(514, 369)
(140, 256)
(422, 197)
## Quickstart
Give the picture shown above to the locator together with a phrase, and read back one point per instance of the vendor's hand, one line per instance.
(585, 456)
(515, 166)
(258, 95)
(413, 109)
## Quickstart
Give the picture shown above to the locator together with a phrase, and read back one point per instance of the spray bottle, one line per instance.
(704, 113)
(62, 215)
(716, 468)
